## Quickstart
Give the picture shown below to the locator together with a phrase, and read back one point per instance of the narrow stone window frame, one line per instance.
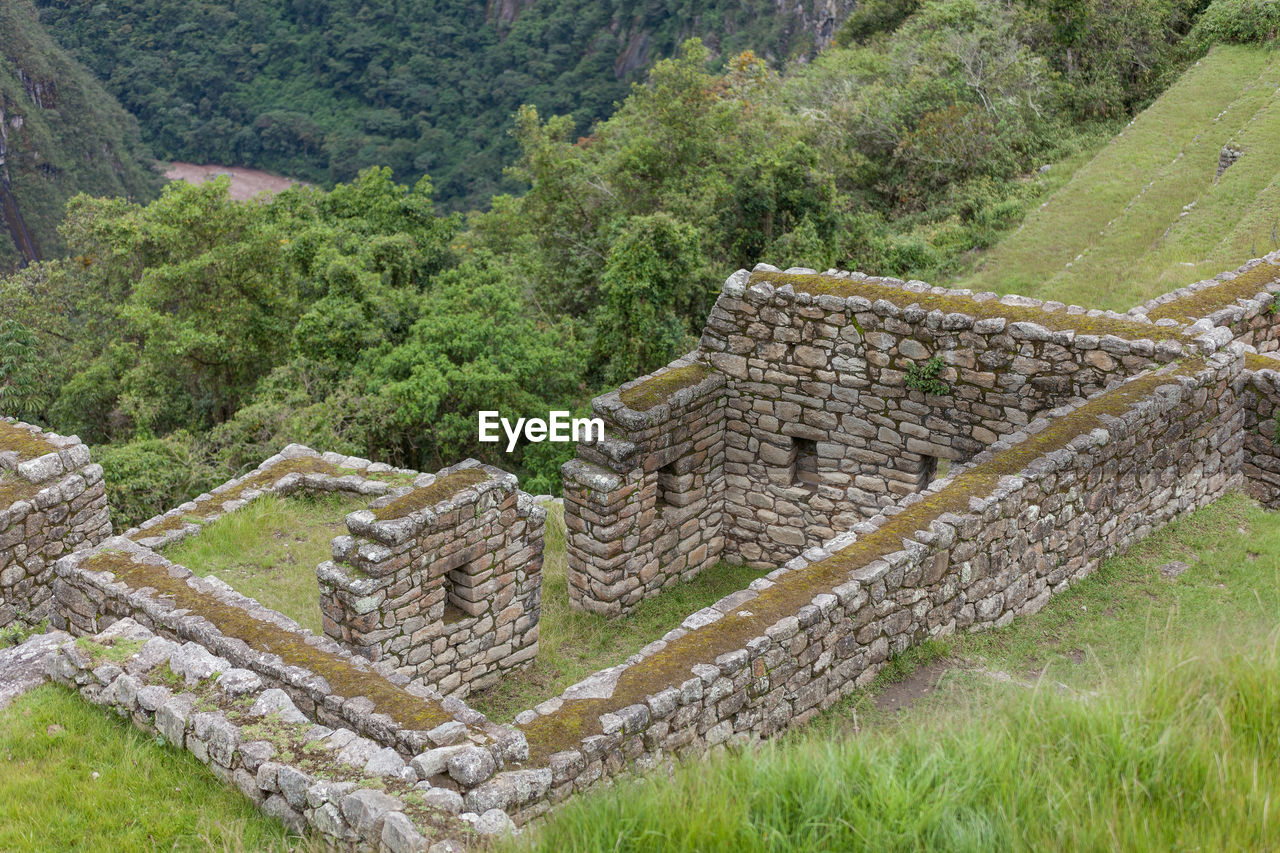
(806, 472)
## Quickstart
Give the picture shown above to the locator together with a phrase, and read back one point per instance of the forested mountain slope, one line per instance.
(60, 133)
(1189, 188)
(319, 89)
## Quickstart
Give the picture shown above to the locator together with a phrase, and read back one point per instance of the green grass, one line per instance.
(573, 644)
(1139, 713)
(269, 550)
(1116, 235)
(74, 777)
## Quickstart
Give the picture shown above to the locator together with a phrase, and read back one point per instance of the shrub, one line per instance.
(148, 476)
(1236, 21)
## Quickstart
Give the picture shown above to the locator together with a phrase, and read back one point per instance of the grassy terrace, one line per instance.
(1135, 711)
(1146, 215)
(269, 549)
(12, 487)
(579, 718)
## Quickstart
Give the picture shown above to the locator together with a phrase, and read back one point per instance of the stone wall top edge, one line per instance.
(661, 396)
(859, 293)
(1220, 297)
(103, 565)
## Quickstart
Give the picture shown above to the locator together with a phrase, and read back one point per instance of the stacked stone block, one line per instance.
(449, 593)
(52, 501)
(643, 506)
(1261, 404)
(330, 783)
(824, 425)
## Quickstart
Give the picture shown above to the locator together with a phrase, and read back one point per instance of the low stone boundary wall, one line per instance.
(1242, 301)
(443, 582)
(643, 507)
(1033, 513)
(52, 501)
(334, 784)
(1261, 403)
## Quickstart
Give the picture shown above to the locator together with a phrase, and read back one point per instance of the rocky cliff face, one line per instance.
(817, 19)
(60, 134)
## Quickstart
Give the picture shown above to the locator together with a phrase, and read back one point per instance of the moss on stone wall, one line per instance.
(1202, 303)
(659, 389)
(428, 496)
(953, 302)
(27, 445)
(346, 680)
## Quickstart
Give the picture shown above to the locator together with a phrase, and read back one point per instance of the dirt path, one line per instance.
(245, 183)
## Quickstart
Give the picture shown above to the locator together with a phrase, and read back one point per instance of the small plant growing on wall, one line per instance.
(925, 377)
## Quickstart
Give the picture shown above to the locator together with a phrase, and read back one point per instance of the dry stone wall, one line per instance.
(52, 502)
(1242, 301)
(444, 582)
(1261, 403)
(825, 427)
(644, 506)
(1030, 515)
(329, 783)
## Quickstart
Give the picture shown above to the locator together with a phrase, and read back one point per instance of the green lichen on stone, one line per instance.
(26, 444)
(1059, 321)
(576, 719)
(1202, 303)
(346, 680)
(428, 496)
(659, 389)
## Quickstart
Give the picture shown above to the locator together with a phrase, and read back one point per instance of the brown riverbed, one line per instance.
(245, 183)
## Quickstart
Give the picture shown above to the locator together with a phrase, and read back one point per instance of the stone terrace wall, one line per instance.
(643, 507)
(1031, 514)
(823, 429)
(52, 501)
(443, 582)
(1261, 404)
(331, 783)
(1242, 301)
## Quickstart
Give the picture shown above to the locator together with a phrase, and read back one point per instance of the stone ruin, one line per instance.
(807, 433)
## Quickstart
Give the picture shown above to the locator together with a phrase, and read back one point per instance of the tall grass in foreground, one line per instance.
(74, 777)
(1184, 756)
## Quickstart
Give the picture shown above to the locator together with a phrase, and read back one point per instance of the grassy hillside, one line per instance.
(1147, 215)
(60, 134)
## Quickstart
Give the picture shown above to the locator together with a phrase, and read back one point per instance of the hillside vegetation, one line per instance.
(319, 90)
(192, 336)
(60, 134)
(1149, 213)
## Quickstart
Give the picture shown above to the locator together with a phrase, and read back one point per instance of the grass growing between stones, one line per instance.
(145, 796)
(573, 644)
(269, 549)
(1147, 215)
(1135, 711)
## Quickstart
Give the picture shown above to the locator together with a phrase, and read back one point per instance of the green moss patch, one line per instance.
(346, 680)
(442, 489)
(659, 389)
(1061, 321)
(1202, 303)
(27, 445)
(579, 718)
(14, 489)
